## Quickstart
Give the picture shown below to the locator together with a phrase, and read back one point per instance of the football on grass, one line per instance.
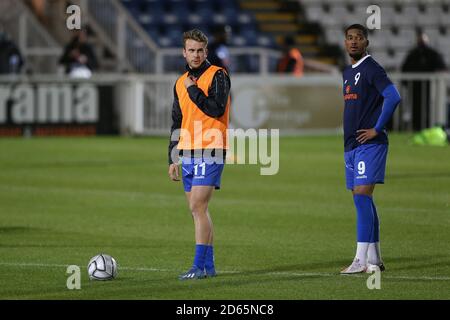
(102, 267)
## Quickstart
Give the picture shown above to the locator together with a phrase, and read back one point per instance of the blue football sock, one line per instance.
(200, 255)
(209, 263)
(376, 225)
(365, 217)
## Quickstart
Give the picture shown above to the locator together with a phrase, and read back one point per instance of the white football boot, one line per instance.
(355, 267)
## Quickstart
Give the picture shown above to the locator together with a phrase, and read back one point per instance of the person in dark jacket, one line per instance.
(422, 58)
(218, 53)
(79, 57)
(11, 60)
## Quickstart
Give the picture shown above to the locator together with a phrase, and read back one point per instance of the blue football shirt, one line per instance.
(363, 84)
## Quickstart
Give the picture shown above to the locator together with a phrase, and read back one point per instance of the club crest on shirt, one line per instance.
(348, 95)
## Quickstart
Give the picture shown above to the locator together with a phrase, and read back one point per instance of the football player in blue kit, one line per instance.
(370, 100)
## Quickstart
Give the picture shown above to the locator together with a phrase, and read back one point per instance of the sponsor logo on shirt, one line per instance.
(348, 95)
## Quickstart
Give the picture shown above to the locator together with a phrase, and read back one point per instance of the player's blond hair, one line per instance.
(195, 35)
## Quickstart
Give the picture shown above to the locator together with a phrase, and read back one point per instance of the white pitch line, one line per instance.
(19, 264)
(297, 274)
(144, 269)
(419, 278)
(360, 275)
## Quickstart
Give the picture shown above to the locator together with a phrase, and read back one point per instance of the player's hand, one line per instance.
(173, 172)
(190, 81)
(364, 135)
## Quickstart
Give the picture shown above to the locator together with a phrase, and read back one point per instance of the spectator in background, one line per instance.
(218, 53)
(79, 57)
(422, 58)
(292, 59)
(11, 61)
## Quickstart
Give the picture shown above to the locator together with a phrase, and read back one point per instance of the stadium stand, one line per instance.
(255, 23)
(286, 18)
(166, 20)
(153, 28)
(400, 21)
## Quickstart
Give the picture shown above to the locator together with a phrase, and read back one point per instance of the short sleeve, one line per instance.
(379, 79)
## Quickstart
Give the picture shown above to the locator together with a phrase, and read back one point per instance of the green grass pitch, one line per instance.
(287, 236)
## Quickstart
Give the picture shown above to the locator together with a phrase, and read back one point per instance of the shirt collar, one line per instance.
(360, 61)
(198, 71)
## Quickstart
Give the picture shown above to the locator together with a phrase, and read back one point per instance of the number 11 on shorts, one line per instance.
(202, 166)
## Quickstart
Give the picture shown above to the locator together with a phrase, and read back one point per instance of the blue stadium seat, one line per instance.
(166, 20)
(135, 12)
(238, 41)
(266, 41)
(245, 19)
(196, 5)
(165, 41)
(224, 4)
(219, 19)
(201, 26)
(153, 32)
(144, 6)
(155, 9)
(147, 20)
(173, 18)
(129, 3)
(179, 7)
(231, 15)
(251, 36)
(206, 14)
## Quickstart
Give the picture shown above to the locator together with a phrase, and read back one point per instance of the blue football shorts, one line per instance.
(201, 172)
(365, 165)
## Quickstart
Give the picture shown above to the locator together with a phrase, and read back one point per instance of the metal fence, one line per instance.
(312, 104)
(136, 48)
(425, 100)
(40, 51)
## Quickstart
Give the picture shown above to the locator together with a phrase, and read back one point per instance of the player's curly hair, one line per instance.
(196, 35)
